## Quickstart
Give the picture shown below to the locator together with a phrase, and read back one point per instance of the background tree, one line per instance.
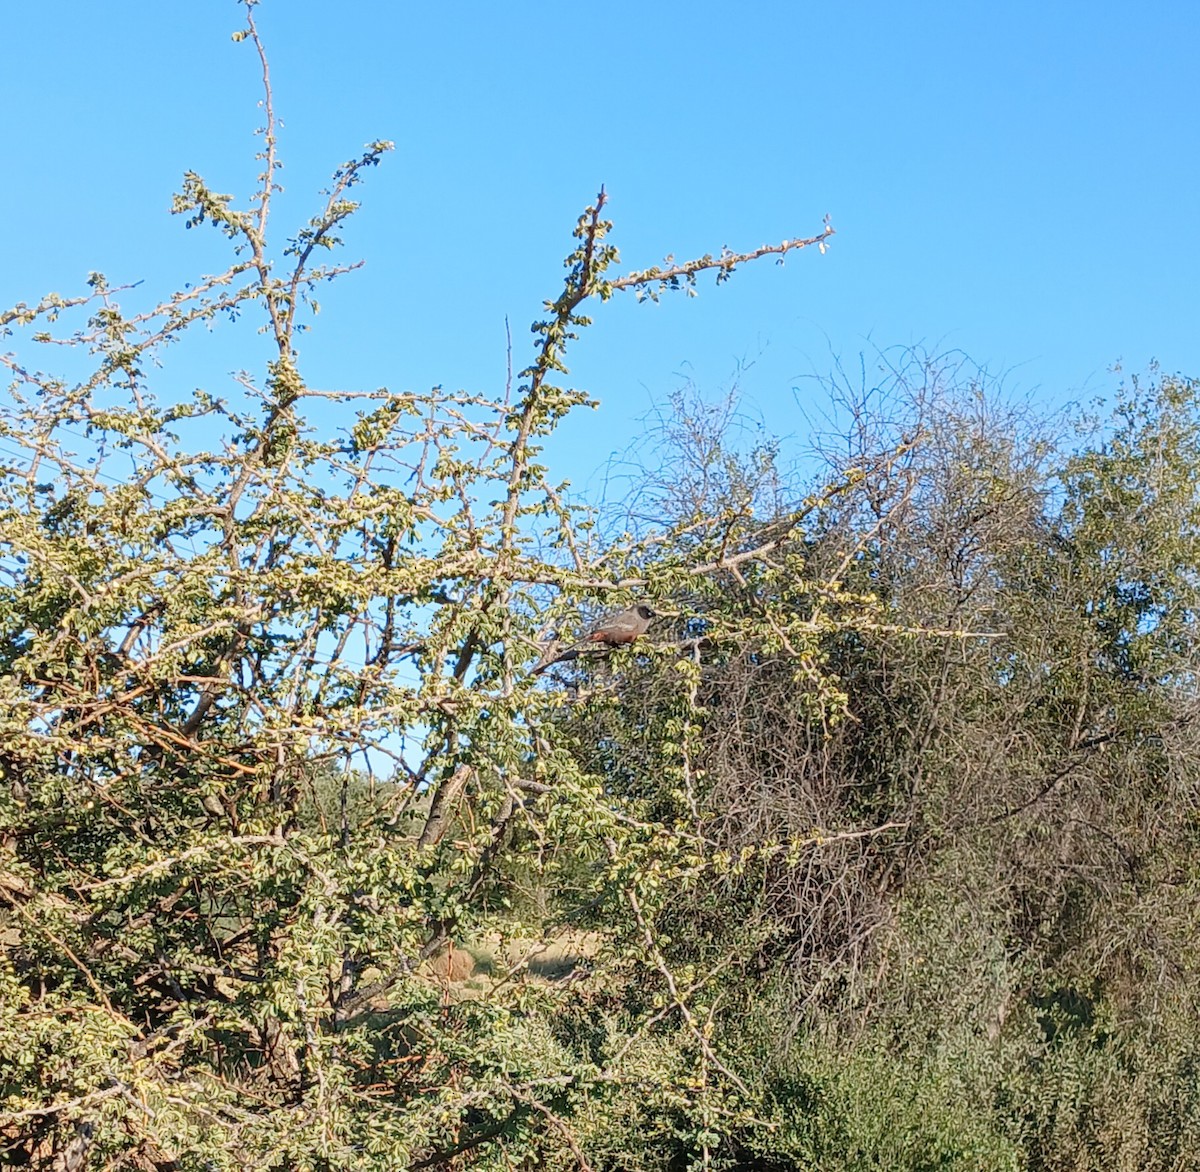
(977, 951)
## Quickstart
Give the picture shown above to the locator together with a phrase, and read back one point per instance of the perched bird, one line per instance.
(615, 631)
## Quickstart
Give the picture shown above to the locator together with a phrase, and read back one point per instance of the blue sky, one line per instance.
(1019, 181)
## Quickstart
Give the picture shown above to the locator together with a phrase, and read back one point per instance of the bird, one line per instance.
(617, 630)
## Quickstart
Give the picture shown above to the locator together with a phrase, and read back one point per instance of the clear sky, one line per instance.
(1017, 180)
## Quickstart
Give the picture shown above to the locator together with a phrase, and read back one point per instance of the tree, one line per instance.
(983, 956)
(270, 746)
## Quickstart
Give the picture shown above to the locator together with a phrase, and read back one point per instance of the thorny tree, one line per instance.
(270, 745)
